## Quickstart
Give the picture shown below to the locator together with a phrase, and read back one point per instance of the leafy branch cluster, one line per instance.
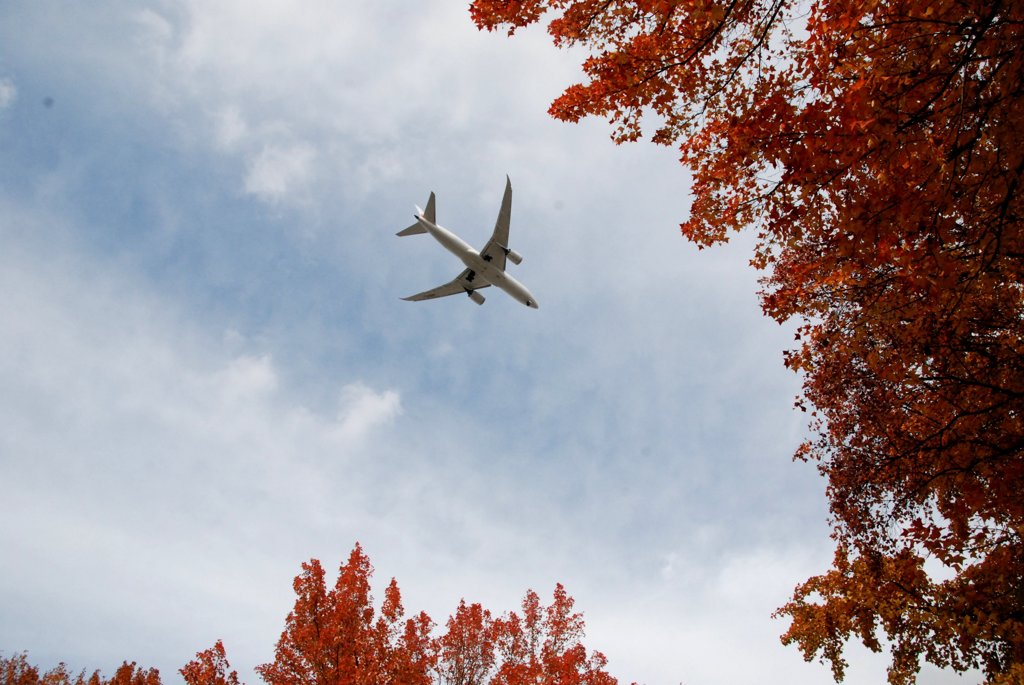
(16, 670)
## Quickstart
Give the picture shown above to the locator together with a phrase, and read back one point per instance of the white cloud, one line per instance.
(8, 93)
(246, 378)
(231, 128)
(379, 87)
(362, 409)
(281, 171)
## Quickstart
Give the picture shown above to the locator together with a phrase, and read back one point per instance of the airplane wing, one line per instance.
(496, 248)
(465, 282)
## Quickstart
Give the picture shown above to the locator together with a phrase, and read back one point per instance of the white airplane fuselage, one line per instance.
(483, 268)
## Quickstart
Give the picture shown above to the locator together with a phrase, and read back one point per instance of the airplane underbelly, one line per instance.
(482, 269)
(514, 288)
(477, 275)
(485, 272)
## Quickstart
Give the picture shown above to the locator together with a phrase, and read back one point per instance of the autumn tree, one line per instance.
(466, 652)
(210, 667)
(336, 637)
(875, 148)
(16, 670)
(331, 637)
(543, 646)
(408, 646)
(130, 674)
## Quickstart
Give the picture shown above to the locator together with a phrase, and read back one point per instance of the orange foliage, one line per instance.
(466, 651)
(332, 637)
(876, 148)
(543, 645)
(210, 667)
(129, 674)
(335, 637)
(16, 670)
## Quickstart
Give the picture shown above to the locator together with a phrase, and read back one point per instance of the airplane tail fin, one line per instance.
(428, 214)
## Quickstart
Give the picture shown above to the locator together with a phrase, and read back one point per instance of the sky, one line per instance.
(208, 375)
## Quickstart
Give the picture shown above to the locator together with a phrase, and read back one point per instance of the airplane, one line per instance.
(483, 268)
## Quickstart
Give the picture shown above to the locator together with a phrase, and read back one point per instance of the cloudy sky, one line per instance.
(208, 376)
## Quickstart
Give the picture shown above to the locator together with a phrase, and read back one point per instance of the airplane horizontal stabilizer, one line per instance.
(412, 230)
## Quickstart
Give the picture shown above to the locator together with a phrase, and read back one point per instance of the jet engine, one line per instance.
(475, 296)
(514, 256)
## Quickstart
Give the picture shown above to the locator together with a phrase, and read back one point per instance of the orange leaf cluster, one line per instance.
(210, 667)
(333, 637)
(336, 637)
(877, 148)
(16, 670)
